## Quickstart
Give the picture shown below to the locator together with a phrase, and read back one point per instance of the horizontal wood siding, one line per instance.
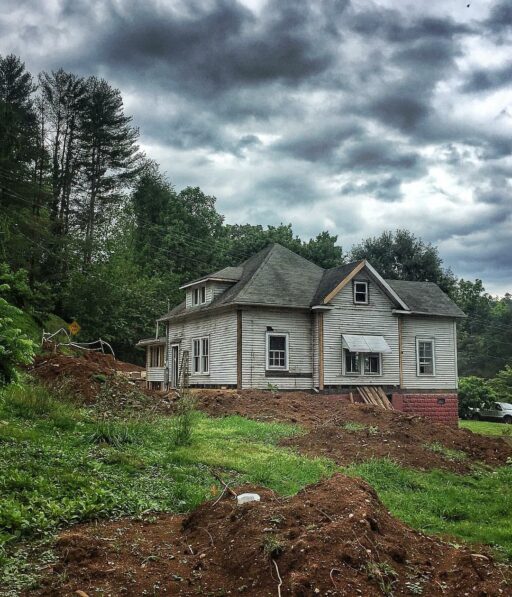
(254, 328)
(218, 288)
(221, 329)
(155, 373)
(443, 331)
(376, 318)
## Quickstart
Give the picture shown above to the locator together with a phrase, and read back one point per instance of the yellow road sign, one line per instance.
(74, 328)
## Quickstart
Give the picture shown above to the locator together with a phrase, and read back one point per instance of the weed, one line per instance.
(383, 574)
(353, 426)
(448, 453)
(117, 433)
(272, 388)
(415, 588)
(183, 425)
(272, 546)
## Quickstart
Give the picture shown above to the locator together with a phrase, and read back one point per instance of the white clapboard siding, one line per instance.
(374, 319)
(297, 325)
(221, 329)
(155, 374)
(443, 331)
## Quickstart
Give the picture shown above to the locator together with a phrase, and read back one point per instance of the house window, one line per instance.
(360, 292)
(368, 363)
(371, 363)
(156, 356)
(351, 362)
(277, 351)
(425, 356)
(199, 295)
(201, 355)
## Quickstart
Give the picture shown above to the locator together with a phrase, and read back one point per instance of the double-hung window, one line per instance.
(201, 355)
(277, 351)
(199, 295)
(360, 289)
(425, 356)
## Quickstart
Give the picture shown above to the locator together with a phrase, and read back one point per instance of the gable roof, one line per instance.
(276, 276)
(426, 298)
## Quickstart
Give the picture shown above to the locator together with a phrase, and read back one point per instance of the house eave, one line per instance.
(428, 314)
(207, 279)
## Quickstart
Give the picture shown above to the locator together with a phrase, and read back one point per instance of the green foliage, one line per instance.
(400, 255)
(501, 385)
(15, 347)
(474, 507)
(474, 392)
(183, 424)
(119, 433)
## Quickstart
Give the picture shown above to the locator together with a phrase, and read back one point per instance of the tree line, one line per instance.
(99, 234)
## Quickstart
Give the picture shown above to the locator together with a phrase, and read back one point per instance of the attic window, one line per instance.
(361, 292)
(199, 295)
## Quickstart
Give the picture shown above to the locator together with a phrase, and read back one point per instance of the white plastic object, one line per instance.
(243, 498)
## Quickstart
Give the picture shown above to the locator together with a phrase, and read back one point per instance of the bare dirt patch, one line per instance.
(409, 440)
(333, 538)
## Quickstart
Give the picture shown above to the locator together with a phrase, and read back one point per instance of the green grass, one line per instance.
(354, 426)
(448, 453)
(487, 428)
(474, 507)
(60, 466)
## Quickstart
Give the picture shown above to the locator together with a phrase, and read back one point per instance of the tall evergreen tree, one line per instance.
(110, 159)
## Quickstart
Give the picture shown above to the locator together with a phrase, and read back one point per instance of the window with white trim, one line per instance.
(201, 355)
(360, 288)
(199, 295)
(277, 351)
(425, 356)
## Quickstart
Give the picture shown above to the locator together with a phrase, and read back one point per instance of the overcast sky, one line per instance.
(347, 115)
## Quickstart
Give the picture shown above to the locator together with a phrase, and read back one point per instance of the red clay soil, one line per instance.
(334, 538)
(410, 440)
(84, 373)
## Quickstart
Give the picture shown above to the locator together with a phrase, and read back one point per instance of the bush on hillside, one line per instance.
(474, 392)
(501, 384)
(15, 348)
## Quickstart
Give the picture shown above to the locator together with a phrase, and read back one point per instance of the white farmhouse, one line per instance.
(278, 320)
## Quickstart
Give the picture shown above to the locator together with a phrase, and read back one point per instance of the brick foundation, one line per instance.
(441, 407)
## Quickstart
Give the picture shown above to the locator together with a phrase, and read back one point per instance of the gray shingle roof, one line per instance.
(227, 273)
(425, 297)
(330, 279)
(277, 276)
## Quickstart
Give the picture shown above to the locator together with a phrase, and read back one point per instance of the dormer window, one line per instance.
(199, 295)
(361, 292)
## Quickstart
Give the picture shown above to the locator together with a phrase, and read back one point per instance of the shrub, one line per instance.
(501, 384)
(15, 347)
(474, 392)
(183, 423)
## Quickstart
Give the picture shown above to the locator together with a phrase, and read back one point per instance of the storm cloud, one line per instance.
(352, 116)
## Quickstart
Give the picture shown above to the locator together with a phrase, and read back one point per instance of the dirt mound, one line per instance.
(86, 374)
(410, 440)
(333, 538)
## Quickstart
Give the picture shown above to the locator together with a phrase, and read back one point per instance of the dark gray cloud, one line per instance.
(348, 115)
(488, 79)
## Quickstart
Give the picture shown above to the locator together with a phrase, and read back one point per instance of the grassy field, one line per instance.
(487, 428)
(63, 464)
